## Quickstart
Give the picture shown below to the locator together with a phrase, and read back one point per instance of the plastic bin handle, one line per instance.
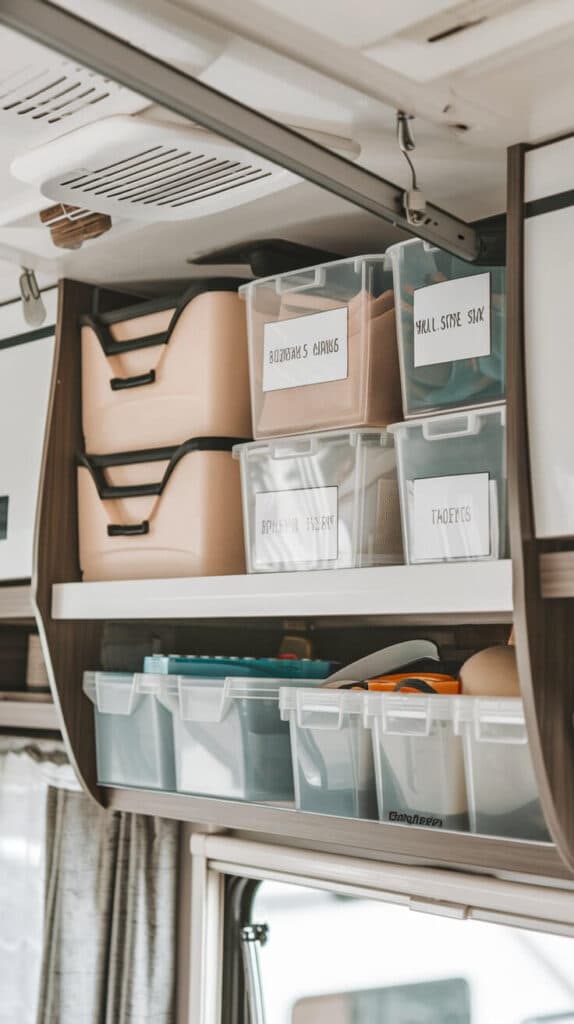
(131, 530)
(437, 430)
(120, 348)
(294, 449)
(505, 735)
(319, 716)
(312, 278)
(96, 464)
(138, 381)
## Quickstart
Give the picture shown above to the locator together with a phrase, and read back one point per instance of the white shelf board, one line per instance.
(462, 589)
(23, 714)
(16, 602)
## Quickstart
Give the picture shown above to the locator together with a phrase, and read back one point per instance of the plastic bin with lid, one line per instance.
(451, 326)
(502, 791)
(161, 371)
(134, 736)
(229, 738)
(161, 513)
(332, 752)
(219, 667)
(322, 348)
(321, 501)
(452, 472)
(419, 765)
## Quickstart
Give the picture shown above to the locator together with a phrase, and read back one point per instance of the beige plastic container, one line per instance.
(161, 513)
(323, 348)
(159, 372)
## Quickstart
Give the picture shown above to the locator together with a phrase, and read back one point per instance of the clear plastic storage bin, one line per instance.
(451, 325)
(332, 752)
(419, 763)
(502, 791)
(134, 736)
(229, 738)
(452, 472)
(321, 501)
(322, 348)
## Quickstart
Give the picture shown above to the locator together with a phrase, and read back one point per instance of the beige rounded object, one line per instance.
(193, 528)
(491, 673)
(199, 380)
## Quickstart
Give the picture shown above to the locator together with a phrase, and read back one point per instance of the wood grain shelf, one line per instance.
(475, 591)
(16, 602)
(557, 574)
(370, 839)
(21, 713)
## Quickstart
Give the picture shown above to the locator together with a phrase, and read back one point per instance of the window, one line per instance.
(332, 959)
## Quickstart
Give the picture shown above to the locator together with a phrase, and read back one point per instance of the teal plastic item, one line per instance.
(224, 668)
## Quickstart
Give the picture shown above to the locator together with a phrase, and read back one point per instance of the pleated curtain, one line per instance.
(109, 951)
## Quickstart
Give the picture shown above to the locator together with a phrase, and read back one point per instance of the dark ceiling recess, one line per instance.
(454, 30)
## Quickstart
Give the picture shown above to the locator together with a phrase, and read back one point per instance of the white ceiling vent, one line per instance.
(43, 94)
(138, 169)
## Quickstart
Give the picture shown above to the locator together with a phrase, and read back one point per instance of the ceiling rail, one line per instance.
(163, 84)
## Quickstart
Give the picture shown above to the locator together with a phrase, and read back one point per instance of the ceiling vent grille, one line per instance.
(163, 177)
(138, 169)
(43, 94)
(52, 94)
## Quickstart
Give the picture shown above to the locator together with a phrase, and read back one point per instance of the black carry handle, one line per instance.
(96, 464)
(137, 530)
(121, 383)
(415, 684)
(118, 348)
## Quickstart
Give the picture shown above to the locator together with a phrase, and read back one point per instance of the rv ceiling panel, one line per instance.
(246, 127)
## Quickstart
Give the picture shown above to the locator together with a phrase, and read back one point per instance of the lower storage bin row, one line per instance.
(458, 763)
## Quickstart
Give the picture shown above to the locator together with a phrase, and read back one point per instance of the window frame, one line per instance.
(225, 872)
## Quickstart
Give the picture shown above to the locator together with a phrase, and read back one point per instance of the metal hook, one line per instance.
(413, 200)
(32, 304)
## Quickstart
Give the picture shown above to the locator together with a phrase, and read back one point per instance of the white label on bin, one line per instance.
(297, 526)
(305, 350)
(451, 517)
(452, 320)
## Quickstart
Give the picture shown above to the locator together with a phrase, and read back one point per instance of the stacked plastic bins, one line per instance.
(206, 726)
(451, 448)
(165, 395)
(319, 482)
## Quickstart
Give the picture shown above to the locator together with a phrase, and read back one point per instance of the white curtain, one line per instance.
(23, 790)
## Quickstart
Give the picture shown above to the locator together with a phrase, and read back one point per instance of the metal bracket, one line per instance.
(414, 201)
(252, 937)
(113, 57)
(32, 303)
